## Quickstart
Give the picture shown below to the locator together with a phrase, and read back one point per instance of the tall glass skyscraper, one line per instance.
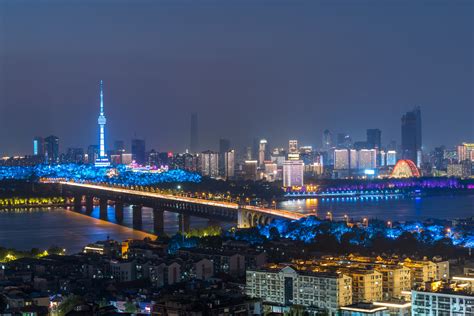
(411, 135)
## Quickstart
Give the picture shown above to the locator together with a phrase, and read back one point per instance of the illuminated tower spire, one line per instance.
(102, 160)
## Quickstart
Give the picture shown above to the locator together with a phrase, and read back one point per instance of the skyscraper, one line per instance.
(411, 135)
(293, 173)
(194, 144)
(224, 147)
(51, 149)
(374, 138)
(293, 152)
(38, 146)
(139, 151)
(102, 160)
(262, 151)
(229, 164)
(210, 164)
(327, 139)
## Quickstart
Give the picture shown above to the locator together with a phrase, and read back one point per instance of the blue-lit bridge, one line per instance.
(244, 215)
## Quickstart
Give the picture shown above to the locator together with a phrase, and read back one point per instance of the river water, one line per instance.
(42, 228)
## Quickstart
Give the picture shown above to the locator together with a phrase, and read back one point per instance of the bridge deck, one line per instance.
(228, 205)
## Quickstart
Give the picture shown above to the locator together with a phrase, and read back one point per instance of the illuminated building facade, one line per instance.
(262, 150)
(391, 158)
(466, 152)
(293, 172)
(229, 164)
(293, 152)
(38, 146)
(210, 164)
(102, 160)
(405, 169)
(427, 303)
(367, 159)
(250, 170)
(283, 286)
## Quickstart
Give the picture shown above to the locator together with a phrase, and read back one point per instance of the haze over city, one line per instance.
(250, 70)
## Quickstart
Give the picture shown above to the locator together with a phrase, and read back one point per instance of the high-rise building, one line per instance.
(102, 160)
(119, 146)
(344, 140)
(224, 146)
(139, 151)
(75, 155)
(367, 159)
(92, 153)
(194, 144)
(345, 159)
(374, 138)
(250, 170)
(293, 171)
(229, 164)
(51, 149)
(210, 164)
(391, 158)
(466, 152)
(38, 146)
(262, 152)
(327, 139)
(293, 152)
(411, 135)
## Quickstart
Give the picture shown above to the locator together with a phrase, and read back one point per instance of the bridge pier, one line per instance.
(184, 222)
(77, 203)
(103, 208)
(137, 216)
(89, 204)
(119, 211)
(158, 221)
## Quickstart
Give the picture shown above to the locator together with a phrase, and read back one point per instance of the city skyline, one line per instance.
(242, 84)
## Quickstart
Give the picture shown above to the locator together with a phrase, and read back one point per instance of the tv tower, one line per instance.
(102, 160)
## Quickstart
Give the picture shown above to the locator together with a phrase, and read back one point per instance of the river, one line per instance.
(42, 228)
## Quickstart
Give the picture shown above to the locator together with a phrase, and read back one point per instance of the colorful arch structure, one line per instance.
(405, 169)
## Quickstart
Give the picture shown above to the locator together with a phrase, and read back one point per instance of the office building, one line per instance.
(102, 160)
(327, 140)
(38, 146)
(139, 151)
(411, 135)
(262, 152)
(293, 151)
(466, 152)
(51, 149)
(250, 170)
(374, 138)
(229, 164)
(92, 153)
(367, 159)
(460, 170)
(293, 171)
(345, 159)
(284, 286)
(194, 136)
(271, 171)
(210, 164)
(224, 147)
(75, 155)
(391, 158)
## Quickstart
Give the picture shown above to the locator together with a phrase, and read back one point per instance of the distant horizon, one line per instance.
(284, 71)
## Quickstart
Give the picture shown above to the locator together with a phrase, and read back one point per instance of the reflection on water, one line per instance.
(70, 230)
(400, 209)
(42, 228)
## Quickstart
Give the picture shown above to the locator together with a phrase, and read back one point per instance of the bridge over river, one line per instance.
(244, 215)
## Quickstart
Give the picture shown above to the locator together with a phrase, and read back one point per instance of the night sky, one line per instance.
(272, 69)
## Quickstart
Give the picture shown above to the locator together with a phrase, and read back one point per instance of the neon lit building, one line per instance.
(405, 169)
(102, 160)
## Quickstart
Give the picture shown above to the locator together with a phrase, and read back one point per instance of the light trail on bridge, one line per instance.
(229, 205)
